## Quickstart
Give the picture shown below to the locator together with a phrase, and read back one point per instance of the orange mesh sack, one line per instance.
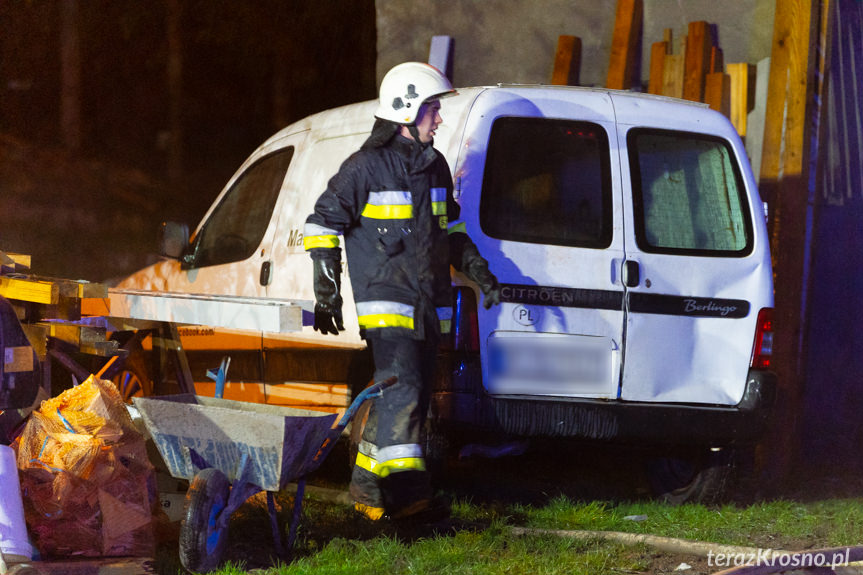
(89, 488)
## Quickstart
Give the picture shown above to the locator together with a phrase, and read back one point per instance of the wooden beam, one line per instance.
(658, 52)
(785, 185)
(73, 333)
(672, 76)
(567, 61)
(717, 92)
(17, 359)
(739, 106)
(699, 41)
(624, 44)
(35, 291)
(22, 260)
(716, 60)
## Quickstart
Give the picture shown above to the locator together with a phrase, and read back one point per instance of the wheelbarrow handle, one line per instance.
(334, 433)
(371, 392)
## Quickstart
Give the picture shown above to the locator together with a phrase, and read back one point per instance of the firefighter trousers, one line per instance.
(389, 474)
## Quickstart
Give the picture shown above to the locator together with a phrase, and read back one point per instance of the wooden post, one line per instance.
(658, 51)
(624, 44)
(739, 107)
(567, 61)
(699, 42)
(785, 185)
(672, 72)
(717, 92)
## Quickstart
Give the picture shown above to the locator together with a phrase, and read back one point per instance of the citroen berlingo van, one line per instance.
(628, 236)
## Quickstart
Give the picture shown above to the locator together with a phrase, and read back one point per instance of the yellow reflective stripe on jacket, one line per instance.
(389, 205)
(388, 212)
(317, 236)
(310, 242)
(376, 314)
(438, 198)
(385, 320)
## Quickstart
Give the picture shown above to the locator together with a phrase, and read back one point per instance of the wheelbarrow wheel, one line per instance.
(202, 541)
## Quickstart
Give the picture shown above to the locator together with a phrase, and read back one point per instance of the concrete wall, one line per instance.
(515, 40)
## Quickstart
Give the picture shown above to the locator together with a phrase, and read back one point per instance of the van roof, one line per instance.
(358, 118)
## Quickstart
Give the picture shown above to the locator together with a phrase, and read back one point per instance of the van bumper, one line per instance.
(618, 421)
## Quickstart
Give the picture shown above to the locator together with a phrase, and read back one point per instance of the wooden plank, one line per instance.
(717, 92)
(672, 75)
(785, 184)
(755, 119)
(16, 262)
(658, 51)
(74, 333)
(96, 306)
(257, 314)
(38, 338)
(567, 61)
(624, 43)
(698, 44)
(717, 63)
(739, 105)
(35, 291)
(17, 359)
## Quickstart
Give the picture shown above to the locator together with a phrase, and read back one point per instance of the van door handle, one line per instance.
(630, 273)
(266, 273)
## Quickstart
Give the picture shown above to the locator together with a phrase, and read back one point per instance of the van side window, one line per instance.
(237, 225)
(688, 193)
(548, 182)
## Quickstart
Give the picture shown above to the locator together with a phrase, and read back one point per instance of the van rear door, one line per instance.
(541, 198)
(697, 267)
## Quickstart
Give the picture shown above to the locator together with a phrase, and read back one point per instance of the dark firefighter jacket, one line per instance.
(393, 204)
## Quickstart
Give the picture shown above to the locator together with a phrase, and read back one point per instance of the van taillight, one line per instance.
(465, 326)
(762, 349)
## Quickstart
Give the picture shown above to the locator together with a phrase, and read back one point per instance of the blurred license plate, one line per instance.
(543, 363)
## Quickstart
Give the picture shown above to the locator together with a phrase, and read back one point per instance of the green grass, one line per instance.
(333, 541)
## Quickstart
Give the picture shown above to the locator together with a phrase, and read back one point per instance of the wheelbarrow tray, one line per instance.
(276, 444)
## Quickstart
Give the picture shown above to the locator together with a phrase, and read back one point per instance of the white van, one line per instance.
(629, 239)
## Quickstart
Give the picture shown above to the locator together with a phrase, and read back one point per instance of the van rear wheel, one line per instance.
(698, 476)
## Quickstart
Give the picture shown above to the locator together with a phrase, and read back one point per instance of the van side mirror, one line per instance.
(173, 240)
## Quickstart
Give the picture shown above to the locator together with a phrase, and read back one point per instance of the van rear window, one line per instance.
(547, 181)
(688, 193)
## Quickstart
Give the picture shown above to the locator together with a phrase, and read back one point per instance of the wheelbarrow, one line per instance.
(215, 443)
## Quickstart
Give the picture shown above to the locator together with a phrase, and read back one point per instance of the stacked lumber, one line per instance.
(692, 68)
(51, 307)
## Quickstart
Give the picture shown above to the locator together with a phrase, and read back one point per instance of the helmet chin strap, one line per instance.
(415, 133)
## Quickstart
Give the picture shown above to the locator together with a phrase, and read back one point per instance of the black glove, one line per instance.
(328, 304)
(475, 267)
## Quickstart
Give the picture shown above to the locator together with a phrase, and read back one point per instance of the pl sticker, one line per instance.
(525, 315)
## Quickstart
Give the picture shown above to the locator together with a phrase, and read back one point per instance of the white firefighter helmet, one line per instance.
(405, 88)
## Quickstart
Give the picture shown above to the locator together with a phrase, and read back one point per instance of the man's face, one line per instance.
(428, 119)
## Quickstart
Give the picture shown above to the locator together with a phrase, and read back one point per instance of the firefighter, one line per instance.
(392, 202)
